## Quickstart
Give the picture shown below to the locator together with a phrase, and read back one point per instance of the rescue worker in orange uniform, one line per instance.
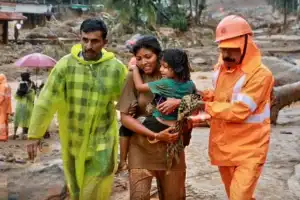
(239, 106)
(5, 107)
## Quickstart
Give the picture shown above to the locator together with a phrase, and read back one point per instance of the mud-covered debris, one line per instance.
(199, 61)
(20, 161)
(286, 132)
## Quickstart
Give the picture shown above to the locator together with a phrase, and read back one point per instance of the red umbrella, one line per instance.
(36, 61)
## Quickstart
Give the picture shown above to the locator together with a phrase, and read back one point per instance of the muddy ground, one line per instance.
(280, 178)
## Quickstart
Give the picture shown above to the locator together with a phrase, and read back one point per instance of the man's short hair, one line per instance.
(92, 25)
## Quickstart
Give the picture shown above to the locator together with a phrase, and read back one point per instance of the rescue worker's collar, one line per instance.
(232, 69)
(246, 68)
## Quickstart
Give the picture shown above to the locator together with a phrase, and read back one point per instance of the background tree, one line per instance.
(135, 12)
(174, 13)
(286, 7)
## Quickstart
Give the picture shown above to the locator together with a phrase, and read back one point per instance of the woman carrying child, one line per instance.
(147, 149)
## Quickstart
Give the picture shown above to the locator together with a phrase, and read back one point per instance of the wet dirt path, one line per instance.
(280, 178)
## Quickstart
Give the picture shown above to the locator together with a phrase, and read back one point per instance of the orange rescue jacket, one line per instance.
(240, 110)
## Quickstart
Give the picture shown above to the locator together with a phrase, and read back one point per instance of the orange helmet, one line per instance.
(232, 26)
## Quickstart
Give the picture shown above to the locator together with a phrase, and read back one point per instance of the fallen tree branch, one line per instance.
(284, 96)
(288, 77)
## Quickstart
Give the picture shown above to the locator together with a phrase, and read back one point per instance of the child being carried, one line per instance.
(175, 83)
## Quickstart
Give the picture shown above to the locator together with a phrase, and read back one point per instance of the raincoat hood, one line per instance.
(76, 49)
(3, 79)
(251, 56)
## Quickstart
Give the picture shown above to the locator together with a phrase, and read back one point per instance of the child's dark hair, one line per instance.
(148, 42)
(178, 61)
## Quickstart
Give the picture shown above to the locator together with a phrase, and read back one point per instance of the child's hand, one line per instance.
(169, 106)
(132, 67)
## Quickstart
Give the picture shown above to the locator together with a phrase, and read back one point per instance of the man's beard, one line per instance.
(94, 58)
(228, 59)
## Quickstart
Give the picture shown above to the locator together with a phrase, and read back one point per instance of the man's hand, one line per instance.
(199, 120)
(207, 95)
(168, 106)
(32, 148)
(166, 136)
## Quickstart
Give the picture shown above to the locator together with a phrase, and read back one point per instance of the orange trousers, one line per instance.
(240, 181)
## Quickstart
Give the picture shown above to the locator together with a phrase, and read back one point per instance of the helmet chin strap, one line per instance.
(245, 49)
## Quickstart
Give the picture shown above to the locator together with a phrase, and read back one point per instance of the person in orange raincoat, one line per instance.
(239, 106)
(5, 107)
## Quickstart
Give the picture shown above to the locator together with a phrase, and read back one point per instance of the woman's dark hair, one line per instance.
(178, 61)
(148, 42)
(23, 89)
(25, 85)
(92, 25)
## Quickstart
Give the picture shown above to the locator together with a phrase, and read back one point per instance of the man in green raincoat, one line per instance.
(82, 88)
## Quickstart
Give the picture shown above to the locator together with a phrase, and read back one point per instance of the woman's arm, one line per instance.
(135, 126)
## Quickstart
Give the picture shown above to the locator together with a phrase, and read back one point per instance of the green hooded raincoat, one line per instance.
(83, 93)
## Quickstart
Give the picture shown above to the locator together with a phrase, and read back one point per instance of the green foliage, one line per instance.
(149, 12)
(173, 16)
(96, 8)
(135, 12)
(279, 4)
(179, 21)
